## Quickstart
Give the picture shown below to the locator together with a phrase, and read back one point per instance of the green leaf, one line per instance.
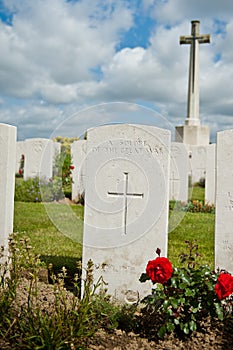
(170, 312)
(186, 280)
(166, 304)
(170, 327)
(192, 325)
(219, 311)
(173, 282)
(162, 331)
(186, 328)
(175, 303)
(210, 285)
(182, 300)
(143, 277)
(189, 292)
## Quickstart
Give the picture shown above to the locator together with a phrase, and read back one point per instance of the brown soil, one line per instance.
(219, 337)
(216, 336)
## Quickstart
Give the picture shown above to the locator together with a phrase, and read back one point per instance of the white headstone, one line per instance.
(78, 153)
(179, 172)
(126, 204)
(224, 201)
(210, 174)
(39, 158)
(198, 163)
(7, 182)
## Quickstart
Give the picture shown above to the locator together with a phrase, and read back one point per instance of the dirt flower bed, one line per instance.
(38, 315)
(215, 335)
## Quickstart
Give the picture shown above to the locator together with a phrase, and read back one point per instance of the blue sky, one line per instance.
(66, 66)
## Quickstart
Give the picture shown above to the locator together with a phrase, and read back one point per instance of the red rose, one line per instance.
(159, 270)
(72, 167)
(224, 286)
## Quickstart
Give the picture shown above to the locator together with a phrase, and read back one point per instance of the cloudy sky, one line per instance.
(66, 66)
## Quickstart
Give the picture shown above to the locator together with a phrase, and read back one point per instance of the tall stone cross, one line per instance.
(193, 90)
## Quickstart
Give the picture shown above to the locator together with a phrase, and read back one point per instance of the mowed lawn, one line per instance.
(194, 226)
(55, 232)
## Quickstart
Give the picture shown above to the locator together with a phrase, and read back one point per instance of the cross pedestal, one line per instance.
(193, 135)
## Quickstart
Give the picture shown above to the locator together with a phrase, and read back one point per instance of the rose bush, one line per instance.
(183, 297)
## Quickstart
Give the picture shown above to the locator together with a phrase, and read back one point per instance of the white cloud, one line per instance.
(173, 11)
(58, 43)
(66, 54)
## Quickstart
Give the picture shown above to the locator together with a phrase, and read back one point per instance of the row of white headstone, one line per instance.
(195, 162)
(188, 165)
(127, 172)
(38, 161)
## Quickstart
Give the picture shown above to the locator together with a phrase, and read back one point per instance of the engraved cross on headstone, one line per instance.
(193, 91)
(125, 196)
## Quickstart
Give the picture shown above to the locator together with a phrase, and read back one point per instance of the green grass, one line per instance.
(55, 232)
(194, 226)
(51, 230)
(197, 193)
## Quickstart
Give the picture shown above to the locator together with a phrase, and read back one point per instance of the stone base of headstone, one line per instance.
(193, 135)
